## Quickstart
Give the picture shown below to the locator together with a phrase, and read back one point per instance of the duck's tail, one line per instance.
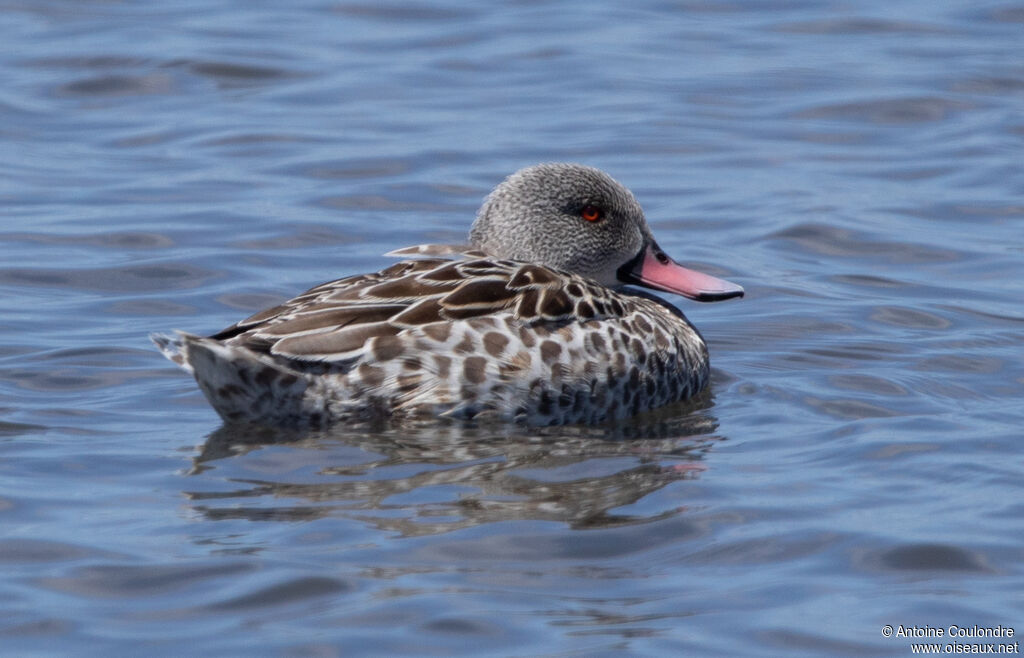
(173, 347)
(239, 383)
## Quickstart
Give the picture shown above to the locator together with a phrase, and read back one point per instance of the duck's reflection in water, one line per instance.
(435, 478)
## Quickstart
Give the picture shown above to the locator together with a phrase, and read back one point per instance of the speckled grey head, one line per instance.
(566, 216)
(579, 219)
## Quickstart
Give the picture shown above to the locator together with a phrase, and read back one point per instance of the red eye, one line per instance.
(591, 213)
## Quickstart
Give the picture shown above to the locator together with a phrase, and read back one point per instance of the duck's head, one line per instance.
(581, 220)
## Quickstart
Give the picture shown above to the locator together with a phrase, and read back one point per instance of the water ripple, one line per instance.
(155, 277)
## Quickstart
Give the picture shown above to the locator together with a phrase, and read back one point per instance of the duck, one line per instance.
(543, 318)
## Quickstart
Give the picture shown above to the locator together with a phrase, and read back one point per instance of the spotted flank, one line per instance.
(512, 327)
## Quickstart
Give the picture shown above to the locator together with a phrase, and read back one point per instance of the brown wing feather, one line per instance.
(341, 320)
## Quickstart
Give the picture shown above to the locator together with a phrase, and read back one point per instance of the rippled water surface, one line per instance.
(857, 461)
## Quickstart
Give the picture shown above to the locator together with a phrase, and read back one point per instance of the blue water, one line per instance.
(856, 167)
